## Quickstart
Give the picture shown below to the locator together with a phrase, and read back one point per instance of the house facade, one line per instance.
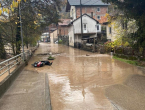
(118, 28)
(91, 28)
(94, 8)
(61, 30)
(54, 36)
(62, 27)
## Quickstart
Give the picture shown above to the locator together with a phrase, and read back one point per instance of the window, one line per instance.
(98, 17)
(110, 30)
(92, 14)
(85, 27)
(98, 27)
(124, 24)
(98, 9)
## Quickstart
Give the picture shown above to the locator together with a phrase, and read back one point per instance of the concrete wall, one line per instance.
(4, 85)
(53, 36)
(73, 12)
(71, 35)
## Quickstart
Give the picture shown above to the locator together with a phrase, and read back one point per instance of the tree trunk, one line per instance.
(18, 37)
(27, 45)
(2, 49)
(13, 48)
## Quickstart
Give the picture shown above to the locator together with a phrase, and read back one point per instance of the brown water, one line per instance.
(78, 78)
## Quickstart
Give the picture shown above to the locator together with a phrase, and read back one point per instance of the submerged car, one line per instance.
(42, 63)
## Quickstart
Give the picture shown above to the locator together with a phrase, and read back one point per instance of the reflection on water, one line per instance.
(78, 78)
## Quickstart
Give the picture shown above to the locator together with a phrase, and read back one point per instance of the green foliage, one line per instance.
(133, 9)
(51, 58)
(2, 49)
(60, 41)
(35, 18)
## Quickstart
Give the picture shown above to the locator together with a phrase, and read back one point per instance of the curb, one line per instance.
(47, 94)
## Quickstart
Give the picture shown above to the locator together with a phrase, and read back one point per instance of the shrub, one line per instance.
(132, 58)
(60, 41)
(51, 58)
(119, 50)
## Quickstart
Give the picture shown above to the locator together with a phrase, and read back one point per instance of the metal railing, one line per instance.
(8, 66)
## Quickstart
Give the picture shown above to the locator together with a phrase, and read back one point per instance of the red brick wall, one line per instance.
(62, 31)
(89, 9)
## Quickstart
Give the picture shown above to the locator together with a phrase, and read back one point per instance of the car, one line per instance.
(89, 44)
(56, 42)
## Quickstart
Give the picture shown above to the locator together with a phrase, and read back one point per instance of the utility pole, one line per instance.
(21, 31)
(81, 20)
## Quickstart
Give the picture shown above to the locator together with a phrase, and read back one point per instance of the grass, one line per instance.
(51, 58)
(136, 63)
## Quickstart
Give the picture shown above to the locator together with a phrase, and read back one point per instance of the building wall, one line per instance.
(62, 31)
(89, 9)
(113, 35)
(91, 27)
(117, 30)
(53, 36)
(91, 24)
(71, 35)
(73, 12)
(51, 26)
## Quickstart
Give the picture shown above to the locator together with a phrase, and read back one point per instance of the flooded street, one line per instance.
(78, 78)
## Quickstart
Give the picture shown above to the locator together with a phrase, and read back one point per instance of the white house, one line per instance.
(91, 28)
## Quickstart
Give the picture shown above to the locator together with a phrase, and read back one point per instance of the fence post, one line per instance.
(8, 68)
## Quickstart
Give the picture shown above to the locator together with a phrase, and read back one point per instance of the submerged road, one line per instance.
(78, 79)
(81, 80)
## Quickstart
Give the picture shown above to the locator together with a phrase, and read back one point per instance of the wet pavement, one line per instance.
(81, 80)
(78, 79)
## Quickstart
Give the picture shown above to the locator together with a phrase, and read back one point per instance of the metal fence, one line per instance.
(8, 66)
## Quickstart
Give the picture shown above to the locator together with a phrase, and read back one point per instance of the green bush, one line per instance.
(132, 58)
(60, 41)
(51, 58)
(119, 50)
(142, 59)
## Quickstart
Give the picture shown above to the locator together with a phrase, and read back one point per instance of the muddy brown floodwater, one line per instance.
(78, 78)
